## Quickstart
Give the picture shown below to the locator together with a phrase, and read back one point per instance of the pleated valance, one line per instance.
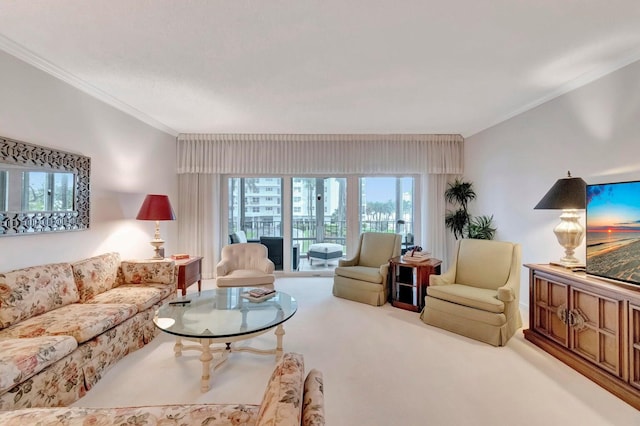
(286, 154)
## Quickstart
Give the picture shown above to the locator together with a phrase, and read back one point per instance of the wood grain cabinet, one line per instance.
(634, 345)
(590, 324)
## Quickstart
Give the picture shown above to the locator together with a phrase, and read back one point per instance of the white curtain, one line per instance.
(434, 208)
(204, 158)
(274, 154)
(199, 204)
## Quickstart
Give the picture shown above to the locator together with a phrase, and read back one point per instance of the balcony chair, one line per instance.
(478, 296)
(240, 237)
(275, 250)
(245, 265)
(363, 278)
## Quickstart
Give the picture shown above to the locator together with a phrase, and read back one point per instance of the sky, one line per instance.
(614, 207)
(383, 189)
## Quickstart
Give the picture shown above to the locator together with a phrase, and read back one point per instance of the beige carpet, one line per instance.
(381, 366)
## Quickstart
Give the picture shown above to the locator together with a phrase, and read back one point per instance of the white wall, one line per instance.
(128, 160)
(593, 131)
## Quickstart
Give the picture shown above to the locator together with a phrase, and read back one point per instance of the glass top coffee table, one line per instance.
(224, 316)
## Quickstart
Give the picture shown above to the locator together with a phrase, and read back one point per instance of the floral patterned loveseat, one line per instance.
(290, 399)
(63, 325)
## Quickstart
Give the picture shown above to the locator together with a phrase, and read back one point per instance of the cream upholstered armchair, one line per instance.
(478, 296)
(244, 265)
(363, 278)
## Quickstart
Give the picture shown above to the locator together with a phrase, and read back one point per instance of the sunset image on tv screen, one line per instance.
(613, 231)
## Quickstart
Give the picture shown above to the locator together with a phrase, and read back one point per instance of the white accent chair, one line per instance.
(478, 296)
(363, 278)
(245, 265)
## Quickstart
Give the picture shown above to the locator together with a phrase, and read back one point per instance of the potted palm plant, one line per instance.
(460, 221)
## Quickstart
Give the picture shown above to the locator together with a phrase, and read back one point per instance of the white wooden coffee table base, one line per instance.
(210, 362)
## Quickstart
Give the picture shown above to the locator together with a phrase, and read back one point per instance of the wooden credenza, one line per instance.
(591, 324)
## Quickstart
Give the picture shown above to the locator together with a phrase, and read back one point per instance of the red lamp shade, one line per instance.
(156, 207)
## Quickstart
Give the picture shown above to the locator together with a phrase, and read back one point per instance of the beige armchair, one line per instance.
(478, 296)
(245, 265)
(363, 278)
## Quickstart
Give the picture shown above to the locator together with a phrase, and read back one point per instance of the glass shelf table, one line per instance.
(223, 316)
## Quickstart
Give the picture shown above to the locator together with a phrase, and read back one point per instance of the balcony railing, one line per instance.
(305, 230)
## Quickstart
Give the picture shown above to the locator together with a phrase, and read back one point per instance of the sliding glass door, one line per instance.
(309, 223)
(318, 219)
(255, 206)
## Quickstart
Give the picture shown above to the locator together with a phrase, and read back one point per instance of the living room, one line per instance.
(590, 129)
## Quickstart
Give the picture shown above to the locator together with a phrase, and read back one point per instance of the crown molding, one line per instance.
(570, 86)
(11, 47)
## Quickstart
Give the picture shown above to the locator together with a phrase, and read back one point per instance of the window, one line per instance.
(35, 191)
(386, 204)
(252, 212)
(4, 191)
(317, 211)
(46, 191)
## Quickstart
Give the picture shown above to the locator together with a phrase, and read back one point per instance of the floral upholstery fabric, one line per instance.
(66, 381)
(148, 271)
(20, 359)
(166, 290)
(197, 414)
(313, 401)
(109, 347)
(77, 342)
(25, 293)
(149, 329)
(82, 321)
(282, 405)
(143, 297)
(96, 274)
(60, 384)
(282, 400)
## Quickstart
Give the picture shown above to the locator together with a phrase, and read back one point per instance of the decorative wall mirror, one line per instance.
(42, 189)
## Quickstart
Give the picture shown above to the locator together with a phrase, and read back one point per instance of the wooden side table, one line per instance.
(409, 282)
(189, 271)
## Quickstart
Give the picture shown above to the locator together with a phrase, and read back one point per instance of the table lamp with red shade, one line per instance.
(156, 207)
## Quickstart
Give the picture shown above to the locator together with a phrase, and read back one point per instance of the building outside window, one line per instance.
(318, 209)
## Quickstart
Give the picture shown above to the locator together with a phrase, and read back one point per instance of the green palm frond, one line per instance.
(480, 227)
(460, 222)
(460, 192)
(457, 222)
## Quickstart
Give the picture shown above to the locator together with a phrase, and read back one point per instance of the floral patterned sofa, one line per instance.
(290, 399)
(63, 325)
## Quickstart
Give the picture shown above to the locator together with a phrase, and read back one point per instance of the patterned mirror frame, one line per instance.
(33, 156)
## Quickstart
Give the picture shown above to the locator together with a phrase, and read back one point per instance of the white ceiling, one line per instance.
(302, 66)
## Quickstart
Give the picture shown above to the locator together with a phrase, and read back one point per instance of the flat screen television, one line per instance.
(613, 231)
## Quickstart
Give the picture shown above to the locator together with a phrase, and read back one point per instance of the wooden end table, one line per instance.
(409, 281)
(189, 271)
